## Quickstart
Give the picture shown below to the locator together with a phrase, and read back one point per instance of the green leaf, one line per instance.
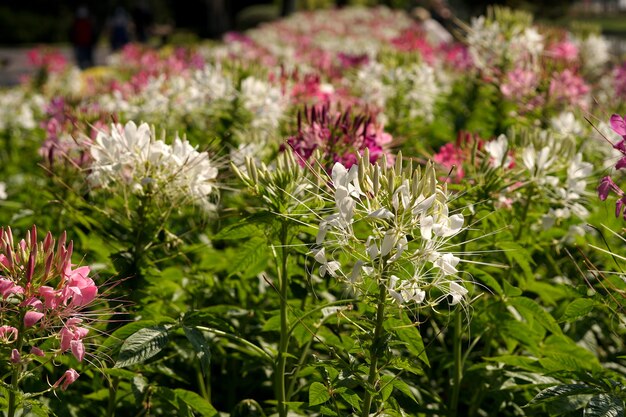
(530, 309)
(488, 280)
(604, 405)
(117, 337)
(387, 386)
(318, 394)
(251, 258)
(142, 345)
(518, 255)
(352, 398)
(200, 345)
(553, 393)
(196, 402)
(408, 333)
(242, 230)
(578, 308)
(139, 387)
(35, 408)
(404, 388)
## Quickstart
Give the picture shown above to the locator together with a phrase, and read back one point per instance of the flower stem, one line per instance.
(284, 327)
(17, 367)
(529, 197)
(458, 365)
(375, 350)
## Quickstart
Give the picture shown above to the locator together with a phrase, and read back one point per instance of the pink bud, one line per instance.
(33, 237)
(48, 242)
(68, 377)
(30, 268)
(32, 317)
(15, 356)
(37, 352)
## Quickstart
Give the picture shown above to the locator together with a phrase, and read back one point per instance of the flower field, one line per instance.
(343, 213)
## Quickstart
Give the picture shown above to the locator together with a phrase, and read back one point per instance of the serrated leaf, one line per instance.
(139, 387)
(515, 253)
(117, 338)
(196, 402)
(142, 345)
(200, 345)
(604, 405)
(404, 388)
(577, 309)
(553, 393)
(351, 398)
(387, 386)
(529, 308)
(251, 258)
(242, 230)
(35, 408)
(408, 333)
(318, 394)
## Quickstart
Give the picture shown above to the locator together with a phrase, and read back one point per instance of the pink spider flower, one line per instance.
(68, 378)
(564, 50)
(570, 88)
(338, 136)
(43, 289)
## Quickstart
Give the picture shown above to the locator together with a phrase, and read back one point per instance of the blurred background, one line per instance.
(106, 26)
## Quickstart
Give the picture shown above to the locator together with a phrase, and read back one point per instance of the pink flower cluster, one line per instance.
(570, 88)
(519, 83)
(607, 185)
(64, 139)
(42, 299)
(48, 60)
(338, 136)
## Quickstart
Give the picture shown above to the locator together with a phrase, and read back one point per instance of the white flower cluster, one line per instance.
(391, 225)
(129, 157)
(265, 102)
(17, 110)
(174, 98)
(553, 168)
(512, 42)
(416, 88)
(594, 53)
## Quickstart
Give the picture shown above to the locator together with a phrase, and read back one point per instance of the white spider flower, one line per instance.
(392, 225)
(129, 156)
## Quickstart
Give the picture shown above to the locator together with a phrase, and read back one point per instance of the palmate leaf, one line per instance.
(604, 405)
(577, 309)
(251, 258)
(142, 345)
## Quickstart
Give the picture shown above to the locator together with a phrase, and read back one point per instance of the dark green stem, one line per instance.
(113, 384)
(372, 379)
(281, 362)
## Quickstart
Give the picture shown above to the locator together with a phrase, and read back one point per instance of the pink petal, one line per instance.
(618, 124)
(78, 349)
(32, 317)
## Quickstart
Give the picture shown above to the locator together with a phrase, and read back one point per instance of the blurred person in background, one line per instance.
(119, 29)
(83, 37)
